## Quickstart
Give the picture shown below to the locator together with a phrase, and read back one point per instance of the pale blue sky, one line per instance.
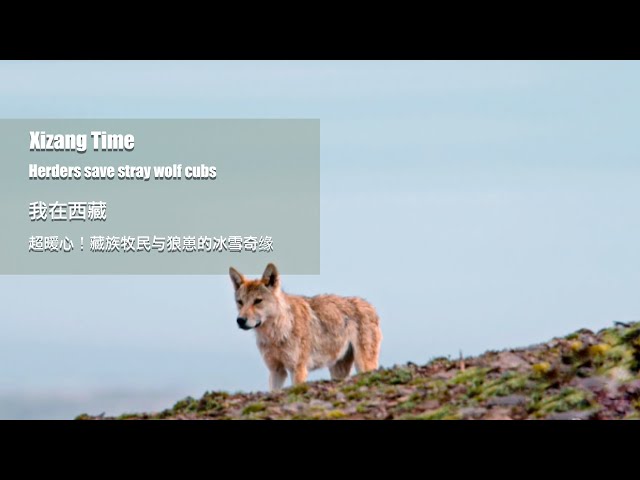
(478, 205)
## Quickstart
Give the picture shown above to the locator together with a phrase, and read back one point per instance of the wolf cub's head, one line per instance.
(256, 299)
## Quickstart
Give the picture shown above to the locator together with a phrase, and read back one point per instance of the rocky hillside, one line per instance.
(585, 375)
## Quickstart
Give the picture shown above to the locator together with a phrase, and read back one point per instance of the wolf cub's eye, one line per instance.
(257, 301)
(240, 302)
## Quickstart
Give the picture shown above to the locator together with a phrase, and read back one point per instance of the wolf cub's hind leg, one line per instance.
(277, 378)
(341, 369)
(366, 359)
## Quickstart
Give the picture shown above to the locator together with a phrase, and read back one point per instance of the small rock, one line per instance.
(458, 389)
(293, 408)
(620, 374)
(381, 414)
(405, 390)
(430, 404)
(572, 415)
(591, 383)
(315, 403)
(445, 374)
(632, 388)
(508, 401)
(498, 413)
(472, 412)
(597, 384)
(509, 361)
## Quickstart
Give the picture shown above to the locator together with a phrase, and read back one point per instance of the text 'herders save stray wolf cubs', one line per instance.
(296, 334)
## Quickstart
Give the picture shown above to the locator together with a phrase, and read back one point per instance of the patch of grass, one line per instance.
(568, 399)
(437, 388)
(473, 376)
(619, 354)
(188, 404)
(356, 395)
(401, 377)
(166, 413)
(294, 398)
(395, 376)
(369, 379)
(631, 337)
(128, 416)
(350, 388)
(611, 337)
(418, 381)
(335, 415)
(541, 368)
(508, 383)
(254, 408)
(599, 350)
(631, 334)
(208, 403)
(299, 389)
(436, 360)
(442, 413)
(576, 345)
(408, 405)
(474, 379)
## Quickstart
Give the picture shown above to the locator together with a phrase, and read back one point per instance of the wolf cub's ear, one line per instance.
(270, 277)
(236, 277)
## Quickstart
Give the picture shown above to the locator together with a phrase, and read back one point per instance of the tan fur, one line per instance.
(296, 334)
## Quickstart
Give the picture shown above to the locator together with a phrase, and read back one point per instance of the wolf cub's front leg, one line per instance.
(277, 377)
(299, 375)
